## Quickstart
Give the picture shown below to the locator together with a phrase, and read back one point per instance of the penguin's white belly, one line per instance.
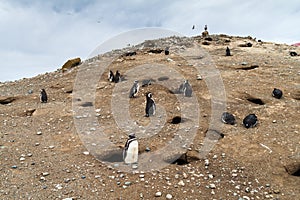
(131, 156)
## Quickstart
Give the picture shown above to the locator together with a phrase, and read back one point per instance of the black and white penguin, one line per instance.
(250, 121)
(228, 52)
(150, 105)
(117, 77)
(228, 118)
(167, 52)
(111, 76)
(205, 27)
(277, 93)
(131, 149)
(134, 89)
(186, 89)
(43, 96)
(193, 27)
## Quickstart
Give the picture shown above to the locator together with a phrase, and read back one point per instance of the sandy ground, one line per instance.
(44, 155)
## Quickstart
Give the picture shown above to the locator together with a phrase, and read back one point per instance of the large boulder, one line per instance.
(71, 63)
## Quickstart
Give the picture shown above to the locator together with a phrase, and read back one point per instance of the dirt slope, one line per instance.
(44, 157)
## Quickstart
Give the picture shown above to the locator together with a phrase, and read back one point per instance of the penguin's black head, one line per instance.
(132, 135)
(42, 90)
(149, 95)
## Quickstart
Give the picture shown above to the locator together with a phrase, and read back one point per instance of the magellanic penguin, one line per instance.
(228, 52)
(186, 89)
(167, 51)
(117, 77)
(150, 105)
(111, 76)
(277, 93)
(134, 89)
(228, 118)
(43, 96)
(130, 152)
(250, 121)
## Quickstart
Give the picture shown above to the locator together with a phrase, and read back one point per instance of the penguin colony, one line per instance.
(130, 151)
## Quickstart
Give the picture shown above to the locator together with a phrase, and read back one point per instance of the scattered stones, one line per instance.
(169, 196)
(14, 167)
(212, 186)
(39, 133)
(86, 153)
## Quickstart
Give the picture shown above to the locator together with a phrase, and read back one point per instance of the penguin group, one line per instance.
(186, 89)
(114, 78)
(250, 120)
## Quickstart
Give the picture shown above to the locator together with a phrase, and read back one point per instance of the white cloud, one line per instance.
(39, 36)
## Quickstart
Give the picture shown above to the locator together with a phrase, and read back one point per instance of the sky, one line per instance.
(39, 36)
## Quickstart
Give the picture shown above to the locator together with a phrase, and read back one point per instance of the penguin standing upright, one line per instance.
(205, 27)
(167, 51)
(150, 105)
(111, 76)
(277, 93)
(117, 77)
(134, 89)
(43, 96)
(228, 52)
(130, 152)
(250, 121)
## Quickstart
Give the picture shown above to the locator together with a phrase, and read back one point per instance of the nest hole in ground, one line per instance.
(256, 100)
(176, 120)
(7, 100)
(249, 67)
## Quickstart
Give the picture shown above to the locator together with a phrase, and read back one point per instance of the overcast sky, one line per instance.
(39, 36)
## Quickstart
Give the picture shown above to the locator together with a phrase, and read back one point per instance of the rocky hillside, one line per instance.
(71, 146)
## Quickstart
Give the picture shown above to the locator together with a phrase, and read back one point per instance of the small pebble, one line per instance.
(45, 173)
(14, 167)
(86, 153)
(181, 183)
(39, 133)
(127, 183)
(212, 186)
(158, 194)
(169, 196)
